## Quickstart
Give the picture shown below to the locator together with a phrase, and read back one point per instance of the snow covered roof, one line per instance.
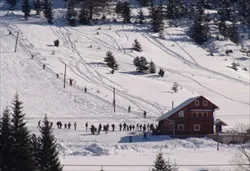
(177, 108)
(220, 122)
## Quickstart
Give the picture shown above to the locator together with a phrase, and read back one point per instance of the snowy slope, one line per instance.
(190, 66)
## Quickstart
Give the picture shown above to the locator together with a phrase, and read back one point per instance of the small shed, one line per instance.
(218, 125)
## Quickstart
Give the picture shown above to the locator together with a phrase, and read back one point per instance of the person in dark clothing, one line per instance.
(85, 89)
(133, 127)
(124, 126)
(130, 138)
(86, 125)
(51, 124)
(144, 114)
(144, 128)
(65, 125)
(130, 127)
(43, 66)
(140, 127)
(145, 136)
(127, 128)
(57, 75)
(113, 127)
(70, 81)
(129, 109)
(107, 127)
(137, 127)
(75, 125)
(100, 127)
(69, 125)
(120, 127)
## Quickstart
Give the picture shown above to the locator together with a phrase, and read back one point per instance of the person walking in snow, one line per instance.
(86, 125)
(129, 109)
(75, 125)
(113, 127)
(130, 138)
(144, 114)
(145, 136)
(85, 89)
(69, 125)
(65, 126)
(120, 127)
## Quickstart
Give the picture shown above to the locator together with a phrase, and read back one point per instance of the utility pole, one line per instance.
(218, 141)
(114, 99)
(64, 76)
(172, 104)
(16, 41)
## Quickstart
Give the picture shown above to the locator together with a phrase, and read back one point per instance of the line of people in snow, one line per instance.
(106, 127)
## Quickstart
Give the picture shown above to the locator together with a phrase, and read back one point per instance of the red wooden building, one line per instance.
(193, 117)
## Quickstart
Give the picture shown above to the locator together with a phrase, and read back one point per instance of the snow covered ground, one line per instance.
(190, 66)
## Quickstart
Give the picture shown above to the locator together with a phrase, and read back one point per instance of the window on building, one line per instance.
(206, 114)
(204, 102)
(180, 127)
(197, 127)
(181, 114)
(197, 102)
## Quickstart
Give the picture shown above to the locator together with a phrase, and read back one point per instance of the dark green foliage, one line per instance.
(126, 12)
(12, 3)
(47, 154)
(141, 64)
(6, 142)
(37, 6)
(234, 66)
(152, 67)
(176, 9)
(161, 72)
(141, 17)
(156, 15)
(137, 46)
(199, 30)
(71, 13)
(161, 165)
(119, 8)
(225, 10)
(233, 32)
(22, 148)
(144, 3)
(26, 8)
(223, 28)
(47, 11)
(84, 18)
(56, 42)
(35, 142)
(111, 62)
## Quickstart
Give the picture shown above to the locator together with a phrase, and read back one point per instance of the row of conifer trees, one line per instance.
(22, 151)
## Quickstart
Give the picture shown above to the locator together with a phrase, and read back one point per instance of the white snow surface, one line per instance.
(189, 65)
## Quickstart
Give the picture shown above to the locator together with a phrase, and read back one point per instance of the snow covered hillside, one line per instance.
(82, 49)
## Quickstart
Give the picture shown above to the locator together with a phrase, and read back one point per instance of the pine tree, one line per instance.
(225, 10)
(84, 16)
(233, 32)
(144, 3)
(199, 30)
(71, 13)
(47, 11)
(22, 148)
(35, 142)
(176, 9)
(141, 64)
(6, 142)
(161, 165)
(161, 72)
(223, 28)
(126, 12)
(119, 8)
(141, 17)
(157, 17)
(111, 62)
(152, 67)
(137, 46)
(26, 8)
(37, 6)
(48, 158)
(12, 4)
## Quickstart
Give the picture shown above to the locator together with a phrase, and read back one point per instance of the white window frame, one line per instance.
(205, 103)
(181, 114)
(197, 125)
(197, 103)
(180, 127)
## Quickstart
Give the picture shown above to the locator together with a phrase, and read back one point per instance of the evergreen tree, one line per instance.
(35, 142)
(176, 9)
(199, 30)
(47, 11)
(161, 72)
(233, 32)
(225, 10)
(71, 13)
(111, 62)
(48, 158)
(161, 165)
(6, 142)
(157, 17)
(144, 3)
(243, 8)
(137, 46)
(37, 6)
(26, 8)
(141, 64)
(126, 12)
(141, 17)
(152, 67)
(223, 28)
(22, 148)
(12, 4)
(119, 8)
(84, 16)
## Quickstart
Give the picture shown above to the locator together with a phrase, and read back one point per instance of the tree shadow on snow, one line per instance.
(132, 73)
(139, 138)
